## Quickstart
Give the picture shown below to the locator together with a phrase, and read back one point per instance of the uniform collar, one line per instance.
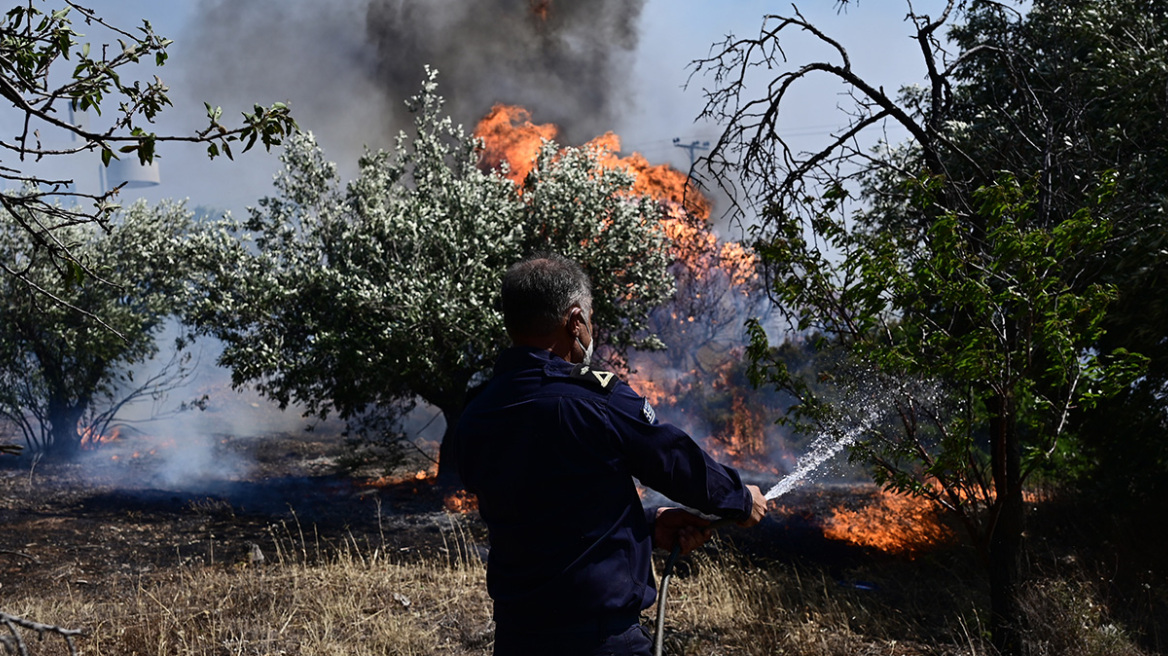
(527, 357)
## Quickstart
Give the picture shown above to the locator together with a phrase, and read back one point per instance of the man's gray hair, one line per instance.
(538, 291)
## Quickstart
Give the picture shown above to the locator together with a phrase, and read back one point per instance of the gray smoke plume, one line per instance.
(566, 60)
(347, 65)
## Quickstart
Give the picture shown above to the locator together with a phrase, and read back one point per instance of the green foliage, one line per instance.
(60, 370)
(1066, 91)
(1007, 263)
(36, 44)
(1023, 262)
(974, 309)
(358, 300)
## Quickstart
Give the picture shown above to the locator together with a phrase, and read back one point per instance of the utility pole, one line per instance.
(692, 147)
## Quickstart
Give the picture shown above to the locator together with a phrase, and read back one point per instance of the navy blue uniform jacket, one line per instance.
(551, 450)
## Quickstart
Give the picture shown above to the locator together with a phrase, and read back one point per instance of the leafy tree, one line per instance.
(1064, 92)
(37, 41)
(974, 277)
(968, 351)
(49, 73)
(360, 300)
(62, 377)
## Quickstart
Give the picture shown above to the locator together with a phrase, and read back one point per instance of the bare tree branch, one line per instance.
(14, 641)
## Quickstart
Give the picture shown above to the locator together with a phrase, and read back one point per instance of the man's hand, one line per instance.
(675, 526)
(758, 508)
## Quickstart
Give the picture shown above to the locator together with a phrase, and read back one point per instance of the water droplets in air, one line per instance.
(873, 399)
(823, 447)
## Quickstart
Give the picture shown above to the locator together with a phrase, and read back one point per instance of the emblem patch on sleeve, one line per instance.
(647, 410)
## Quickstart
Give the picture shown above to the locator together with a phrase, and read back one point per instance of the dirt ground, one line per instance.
(117, 513)
(83, 524)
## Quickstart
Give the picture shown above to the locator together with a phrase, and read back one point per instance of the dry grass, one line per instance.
(305, 599)
(299, 601)
(728, 606)
(351, 597)
(1065, 618)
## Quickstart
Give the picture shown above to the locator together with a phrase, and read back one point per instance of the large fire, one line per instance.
(512, 143)
(510, 136)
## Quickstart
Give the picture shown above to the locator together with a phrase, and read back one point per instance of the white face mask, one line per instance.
(589, 349)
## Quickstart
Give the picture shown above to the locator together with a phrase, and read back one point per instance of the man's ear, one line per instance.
(576, 320)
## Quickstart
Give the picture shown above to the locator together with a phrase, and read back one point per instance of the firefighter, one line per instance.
(551, 445)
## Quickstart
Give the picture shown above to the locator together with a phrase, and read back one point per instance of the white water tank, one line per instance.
(133, 173)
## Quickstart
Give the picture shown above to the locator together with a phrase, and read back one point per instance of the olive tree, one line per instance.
(62, 376)
(360, 300)
(57, 355)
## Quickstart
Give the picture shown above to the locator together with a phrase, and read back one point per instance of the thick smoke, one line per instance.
(347, 65)
(565, 61)
(314, 55)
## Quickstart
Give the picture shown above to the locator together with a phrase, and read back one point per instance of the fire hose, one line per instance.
(667, 574)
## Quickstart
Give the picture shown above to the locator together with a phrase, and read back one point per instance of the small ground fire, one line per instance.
(894, 523)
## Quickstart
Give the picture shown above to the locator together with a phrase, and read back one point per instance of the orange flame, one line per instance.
(743, 441)
(655, 392)
(461, 502)
(893, 523)
(410, 477)
(541, 8)
(91, 439)
(509, 136)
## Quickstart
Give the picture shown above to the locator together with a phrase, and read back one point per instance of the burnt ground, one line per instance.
(118, 514)
(81, 524)
(123, 516)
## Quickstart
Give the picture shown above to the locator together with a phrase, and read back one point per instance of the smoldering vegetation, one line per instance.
(344, 569)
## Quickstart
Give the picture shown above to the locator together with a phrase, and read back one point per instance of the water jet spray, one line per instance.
(824, 446)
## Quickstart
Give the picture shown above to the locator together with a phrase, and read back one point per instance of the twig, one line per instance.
(36, 458)
(21, 554)
(14, 643)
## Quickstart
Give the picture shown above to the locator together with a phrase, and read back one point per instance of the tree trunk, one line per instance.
(448, 452)
(64, 440)
(1005, 539)
(451, 404)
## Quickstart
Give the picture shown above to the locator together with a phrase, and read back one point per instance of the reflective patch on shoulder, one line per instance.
(605, 380)
(647, 410)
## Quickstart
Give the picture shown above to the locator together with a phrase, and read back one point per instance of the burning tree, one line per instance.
(64, 377)
(358, 301)
(717, 280)
(967, 298)
(695, 377)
